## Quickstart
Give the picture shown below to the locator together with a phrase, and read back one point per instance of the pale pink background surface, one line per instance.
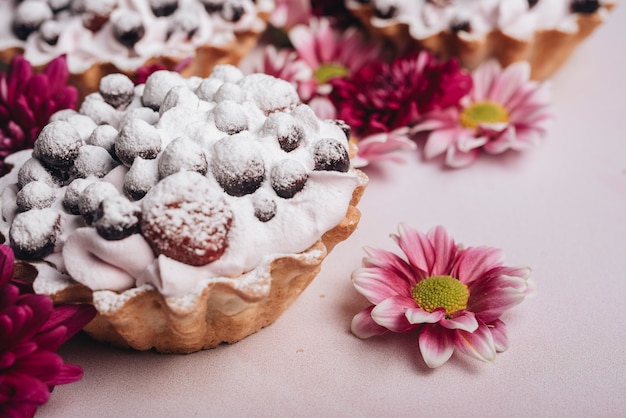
(560, 209)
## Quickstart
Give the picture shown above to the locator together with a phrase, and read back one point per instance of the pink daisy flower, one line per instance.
(331, 53)
(27, 100)
(31, 330)
(504, 110)
(452, 297)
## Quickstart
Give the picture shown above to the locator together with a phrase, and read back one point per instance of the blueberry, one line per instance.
(35, 195)
(532, 3)
(330, 155)
(288, 177)
(33, 234)
(388, 12)
(137, 139)
(58, 144)
(28, 17)
(128, 29)
(287, 130)
(344, 127)
(162, 8)
(142, 176)
(117, 90)
(90, 198)
(117, 218)
(460, 26)
(264, 207)
(585, 6)
(237, 164)
(72, 194)
(182, 154)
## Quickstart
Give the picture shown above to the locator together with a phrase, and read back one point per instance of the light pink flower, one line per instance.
(31, 330)
(452, 297)
(330, 52)
(383, 146)
(504, 110)
(288, 13)
(285, 64)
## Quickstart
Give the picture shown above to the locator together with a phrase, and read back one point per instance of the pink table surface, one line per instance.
(560, 208)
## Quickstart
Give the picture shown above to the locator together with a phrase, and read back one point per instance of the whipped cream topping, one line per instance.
(295, 194)
(475, 18)
(88, 35)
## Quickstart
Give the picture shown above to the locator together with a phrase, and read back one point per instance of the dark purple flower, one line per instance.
(31, 330)
(27, 100)
(381, 96)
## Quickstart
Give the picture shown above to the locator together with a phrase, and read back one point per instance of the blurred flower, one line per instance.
(381, 97)
(31, 330)
(27, 100)
(331, 53)
(504, 110)
(288, 13)
(142, 73)
(382, 100)
(452, 297)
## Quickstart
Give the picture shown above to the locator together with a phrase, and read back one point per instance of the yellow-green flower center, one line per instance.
(326, 72)
(441, 292)
(483, 112)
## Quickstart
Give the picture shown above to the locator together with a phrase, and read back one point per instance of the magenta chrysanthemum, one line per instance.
(27, 100)
(31, 330)
(452, 297)
(504, 110)
(381, 97)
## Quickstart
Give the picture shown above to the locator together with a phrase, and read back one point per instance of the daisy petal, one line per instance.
(436, 345)
(378, 284)
(478, 344)
(498, 332)
(473, 262)
(417, 247)
(363, 326)
(466, 321)
(391, 313)
(420, 316)
(445, 250)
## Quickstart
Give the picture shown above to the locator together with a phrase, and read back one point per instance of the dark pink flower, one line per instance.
(31, 330)
(142, 73)
(381, 97)
(452, 297)
(27, 100)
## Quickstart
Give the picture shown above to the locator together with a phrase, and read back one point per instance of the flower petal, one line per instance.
(378, 284)
(465, 321)
(391, 313)
(478, 344)
(508, 83)
(417, 247)
(420, 316)
(473, 262)
(390, 261)
(363, 326)
(445, 250)
(7, 260)
(498, 332)
(436, 345)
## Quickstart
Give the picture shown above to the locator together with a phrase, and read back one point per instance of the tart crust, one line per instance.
(546, 51)
(223, 312)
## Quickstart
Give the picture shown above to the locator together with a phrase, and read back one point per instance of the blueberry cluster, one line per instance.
(48, 17)
(101, 163)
